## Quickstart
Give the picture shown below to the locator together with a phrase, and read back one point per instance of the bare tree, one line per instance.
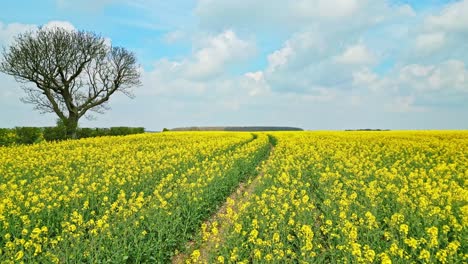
(69, 73)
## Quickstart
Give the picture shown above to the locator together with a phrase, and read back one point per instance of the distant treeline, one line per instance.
(235, 128)
(30, 135)
(367, 129)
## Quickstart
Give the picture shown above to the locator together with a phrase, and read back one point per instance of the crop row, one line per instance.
(117, 199)
(350, 197)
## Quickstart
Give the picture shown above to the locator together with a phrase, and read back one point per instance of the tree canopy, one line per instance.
(68, 72)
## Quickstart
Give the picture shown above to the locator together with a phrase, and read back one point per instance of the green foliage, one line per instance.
(99, 132)
(86, 132)
(138, 130)
(7, 136)
(28, 135)
(54, 133)
(165, 130)
(120, 131)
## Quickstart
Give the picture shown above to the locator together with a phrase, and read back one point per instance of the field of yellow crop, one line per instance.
(116, 199)
(351, 197)
(314, 197)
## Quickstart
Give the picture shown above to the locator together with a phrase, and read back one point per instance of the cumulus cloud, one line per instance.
(59, 24)
(284, 17)
(326, 8)
(440, 35)
(280, 57)
(450, 75)
(9, 31)
(357, 54)
(321, 61)
(311, 61)
(218, 51)
(320, 53)
(255, 84)
(406, 10)
(430, 42)
(452, 18)
(425, 84)
(209, 62)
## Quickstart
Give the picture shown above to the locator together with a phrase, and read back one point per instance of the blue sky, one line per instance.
(315, 64)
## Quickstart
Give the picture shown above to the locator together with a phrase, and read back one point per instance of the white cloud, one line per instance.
(280, 57)
(277, 16)
(430, 42)
(9, 31)
(453, 18)
(218, 51)
(404, 104)
(450, 75)
(59, 24)
(358, 54)
(170, 78)
(364, 77)
(311, 61)
(255, 84)
(440, 35)
(412, 71)
(354, 52)
(203, 70)
(328, 9)
(407, 10)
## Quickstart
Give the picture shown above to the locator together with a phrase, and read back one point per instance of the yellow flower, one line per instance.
(257, 254)
(404, 229)
(37, 249)
(453, 246)
(385, 259)
(433, 234)
(237, 228)
(411, 242)
(441, 256)
(356, 249)
(369, 254)
(195, 255)
(276, 237)
(424, 255)
(19, 255)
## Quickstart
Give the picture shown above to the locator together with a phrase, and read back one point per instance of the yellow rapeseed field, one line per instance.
(319, 197)
(116, 199)
(351, 197)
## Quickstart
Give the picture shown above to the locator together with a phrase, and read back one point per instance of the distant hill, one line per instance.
(236, 128)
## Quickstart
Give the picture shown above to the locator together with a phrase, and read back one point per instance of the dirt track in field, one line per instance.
(241, 195)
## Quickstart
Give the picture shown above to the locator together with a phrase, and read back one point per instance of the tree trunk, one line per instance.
(71, 125)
